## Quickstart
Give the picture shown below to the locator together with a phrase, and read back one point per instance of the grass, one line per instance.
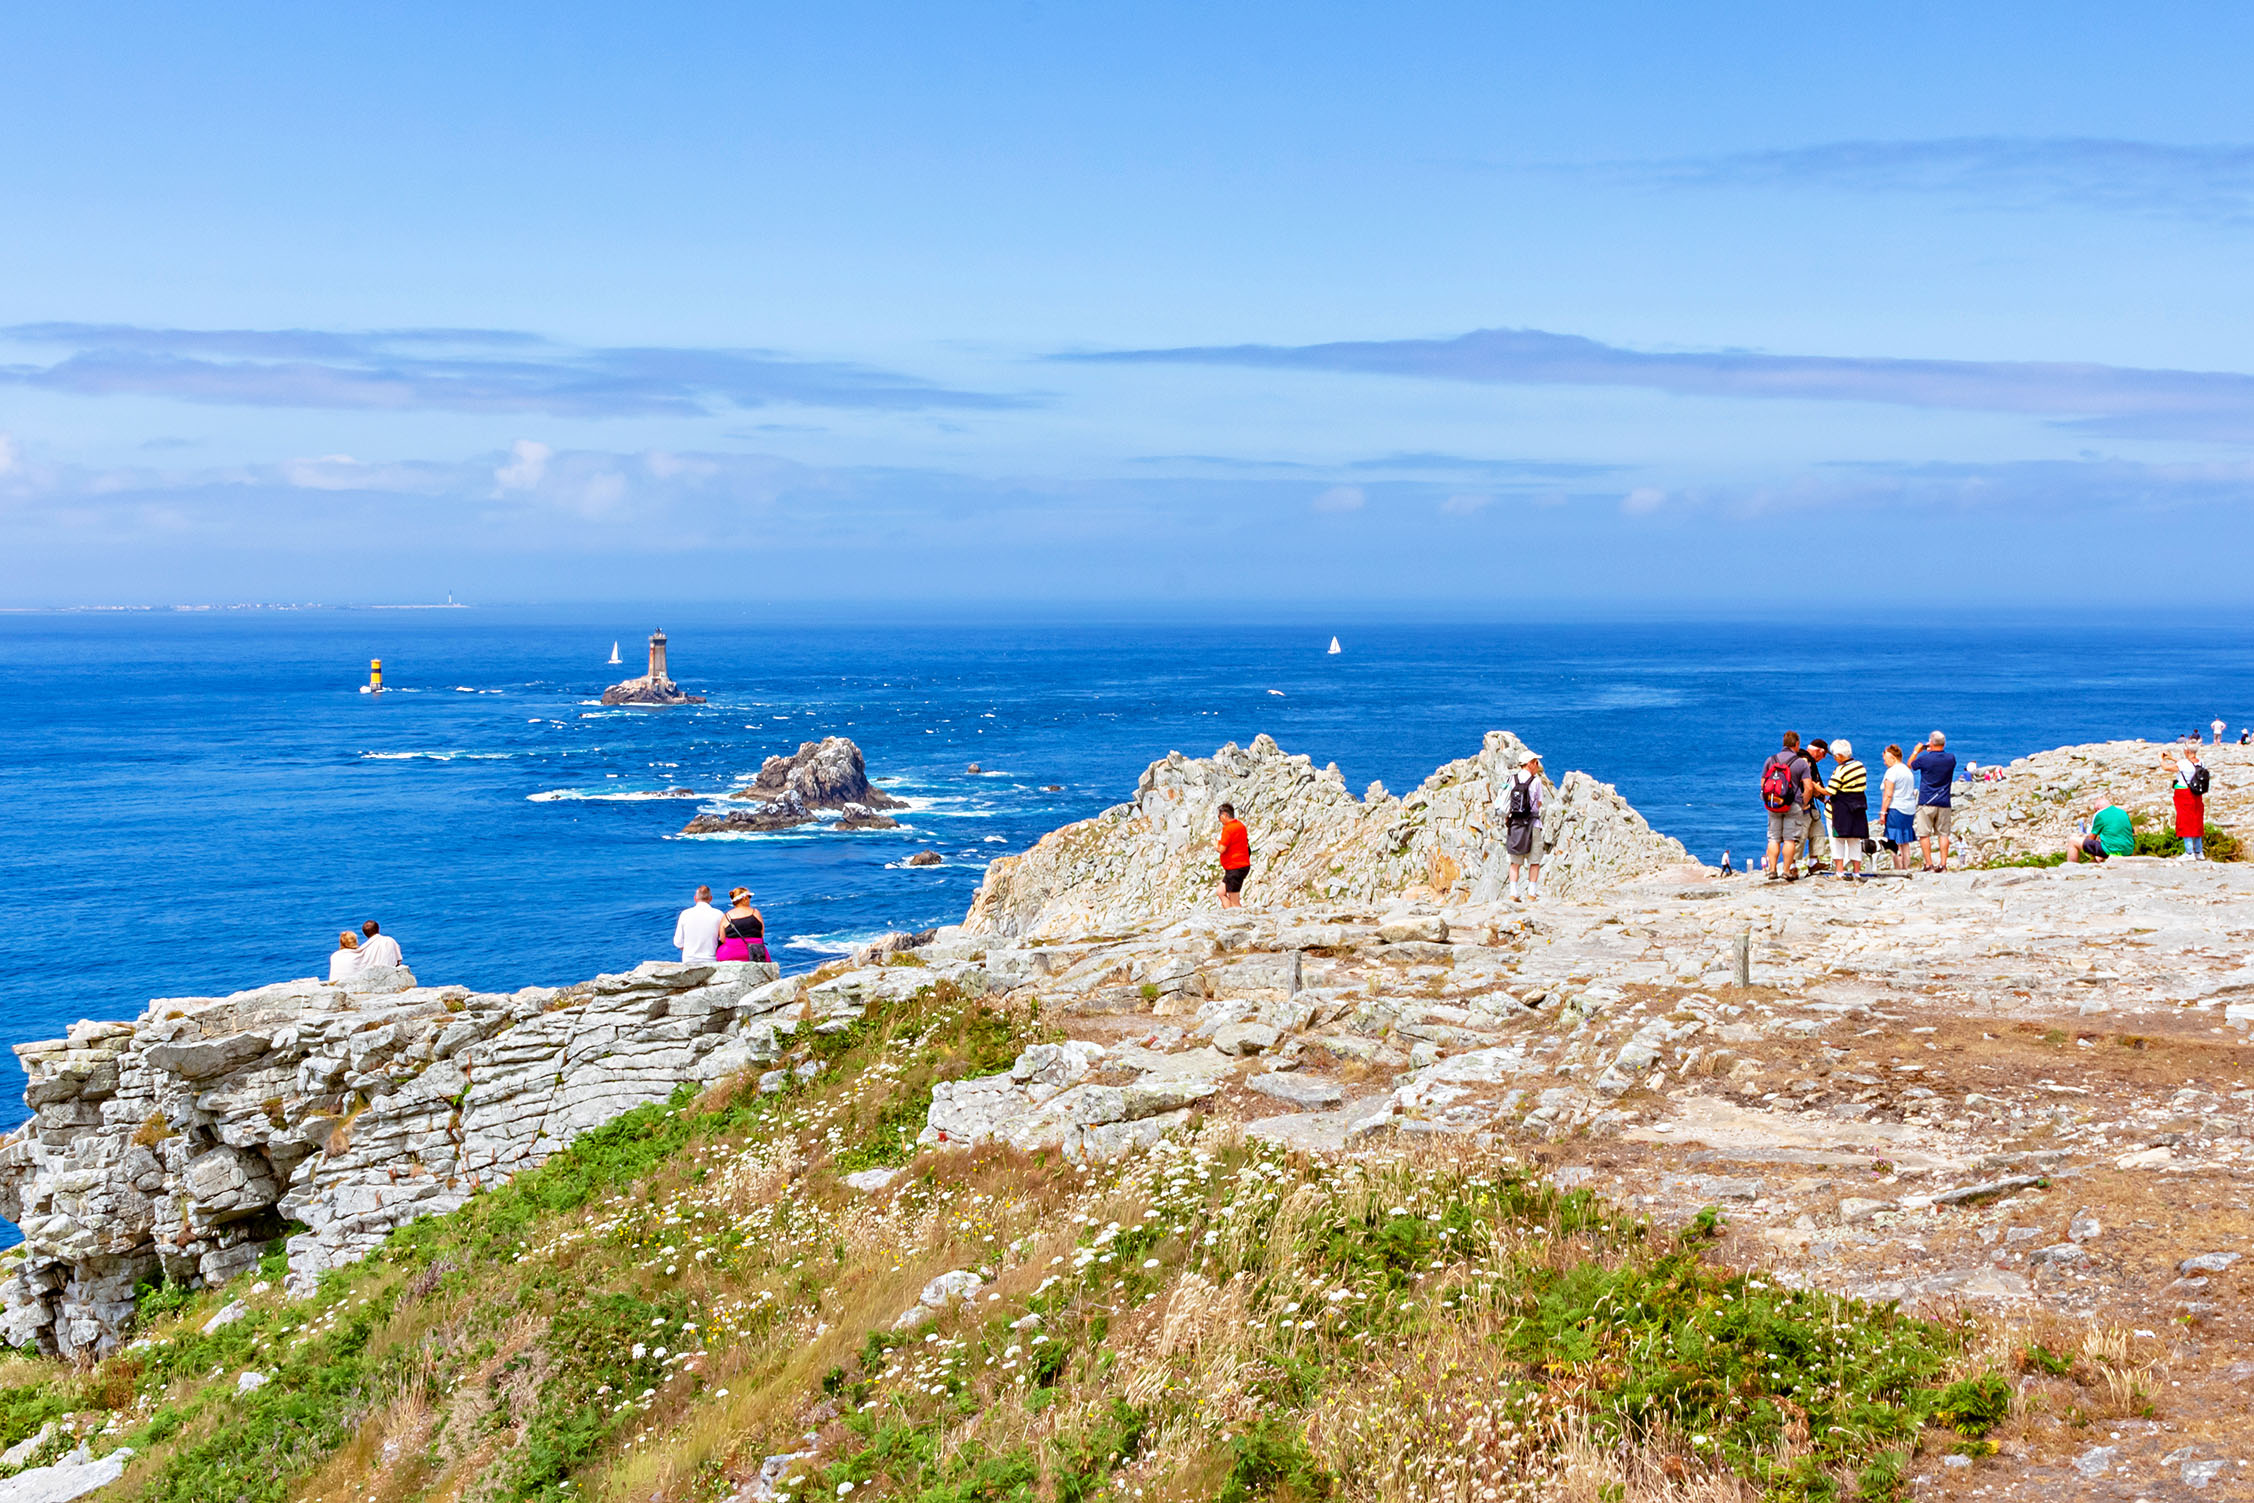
(691, 1290)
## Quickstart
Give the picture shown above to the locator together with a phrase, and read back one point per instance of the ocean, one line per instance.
(197, 802)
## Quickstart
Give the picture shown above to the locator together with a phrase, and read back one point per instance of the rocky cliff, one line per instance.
(1312, 842)
(177, 1145)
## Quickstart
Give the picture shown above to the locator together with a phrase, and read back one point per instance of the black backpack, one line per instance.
(2199, 780)
(1521, 798)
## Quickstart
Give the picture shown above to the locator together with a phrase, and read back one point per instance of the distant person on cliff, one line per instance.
(1235, 846)
(1786, 781)
(2108, 832)
(2218, 727)
(1936, 769)
(1521, 809)
(696, 933)
(1818, 848)
(2190, 788)
(345, 962)
(1850, 809)
(744, 935)
(378, 949)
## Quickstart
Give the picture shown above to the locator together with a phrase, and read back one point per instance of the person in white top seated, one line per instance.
(346, 961)
(378, 949)
(696, 933)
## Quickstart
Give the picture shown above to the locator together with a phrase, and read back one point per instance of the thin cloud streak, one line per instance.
(2100, 399)
(2212, 183)
(453, 370)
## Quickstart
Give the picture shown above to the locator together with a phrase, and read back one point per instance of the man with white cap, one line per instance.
(1521, 809)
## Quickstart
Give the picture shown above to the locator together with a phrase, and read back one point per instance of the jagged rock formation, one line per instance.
(178, 1144)
(825, 774)
(789, 791)
(1312, 842)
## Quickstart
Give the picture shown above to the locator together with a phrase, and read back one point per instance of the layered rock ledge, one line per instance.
(178, 1145)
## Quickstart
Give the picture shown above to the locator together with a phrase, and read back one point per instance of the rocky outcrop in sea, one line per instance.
(825, 775)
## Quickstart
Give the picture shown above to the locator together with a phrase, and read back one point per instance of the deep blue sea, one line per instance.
(196, 802)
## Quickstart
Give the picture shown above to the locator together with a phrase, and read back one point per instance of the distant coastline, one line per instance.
(252, 605)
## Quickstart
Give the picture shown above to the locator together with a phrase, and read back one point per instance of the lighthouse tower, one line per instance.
(654, 688)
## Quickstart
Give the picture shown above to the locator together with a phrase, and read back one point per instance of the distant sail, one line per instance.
(1334, 644)
(614, 652)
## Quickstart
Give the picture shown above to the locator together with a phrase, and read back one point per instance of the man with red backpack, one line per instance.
(1788, 786)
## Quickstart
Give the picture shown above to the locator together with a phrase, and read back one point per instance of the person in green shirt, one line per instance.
(2110, 834)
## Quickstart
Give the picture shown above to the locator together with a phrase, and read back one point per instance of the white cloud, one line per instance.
(525, 469)
(1340, 498)
(1643, 501)
(1464, 505)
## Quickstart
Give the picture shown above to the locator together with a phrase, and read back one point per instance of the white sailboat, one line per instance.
(1334, 646)
(614, 654)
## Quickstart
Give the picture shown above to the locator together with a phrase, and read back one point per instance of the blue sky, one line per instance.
(1477, 308)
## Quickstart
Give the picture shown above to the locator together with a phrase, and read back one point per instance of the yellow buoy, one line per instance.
(375, 675)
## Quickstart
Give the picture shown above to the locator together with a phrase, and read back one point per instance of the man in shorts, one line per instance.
(2110, 834)
(1936, 769)
(1818, 847)
(1791, 770)
(1236, 857)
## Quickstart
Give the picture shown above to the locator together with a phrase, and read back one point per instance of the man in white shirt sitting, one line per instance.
(378, 949)
(696, 933)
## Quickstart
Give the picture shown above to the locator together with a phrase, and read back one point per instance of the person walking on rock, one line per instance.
(1850, 810)
(1936, 769)
(2191, 781)
(1522, 824)
(378, 949)
(1787, 780)
(696, 933)
(1235, 846)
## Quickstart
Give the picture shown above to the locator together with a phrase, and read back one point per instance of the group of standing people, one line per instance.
(704, 932)
(1832, 818)
(369, 950)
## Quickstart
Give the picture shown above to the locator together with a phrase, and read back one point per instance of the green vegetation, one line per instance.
(691, 1290)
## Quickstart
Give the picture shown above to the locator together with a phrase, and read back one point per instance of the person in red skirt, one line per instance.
(2191, 801)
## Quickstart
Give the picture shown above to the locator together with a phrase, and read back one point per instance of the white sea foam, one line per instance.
(834, 944)
(614, 796)
(426, 756)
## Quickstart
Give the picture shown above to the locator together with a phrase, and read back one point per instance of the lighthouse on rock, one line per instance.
(655, 687)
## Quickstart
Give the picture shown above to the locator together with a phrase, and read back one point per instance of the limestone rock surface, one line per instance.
(1313, 842)
(180, 1144)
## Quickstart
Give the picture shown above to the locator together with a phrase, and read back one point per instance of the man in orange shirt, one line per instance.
(1236, 857)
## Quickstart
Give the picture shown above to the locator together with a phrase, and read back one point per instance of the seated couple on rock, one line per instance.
(369, 950)
(703, 932)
